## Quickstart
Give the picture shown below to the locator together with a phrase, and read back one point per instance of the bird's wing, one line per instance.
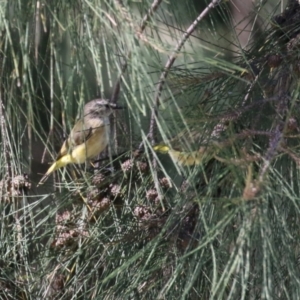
(78, 136)
(63, 150)
(80, 133)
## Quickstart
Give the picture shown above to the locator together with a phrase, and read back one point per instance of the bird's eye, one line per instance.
(107, 106)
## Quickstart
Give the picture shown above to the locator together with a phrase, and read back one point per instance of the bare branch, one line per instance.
(143, 25)
(171, 61)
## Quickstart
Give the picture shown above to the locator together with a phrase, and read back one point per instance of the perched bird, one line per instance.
(88, 138)
(183, 158)
(179, 148)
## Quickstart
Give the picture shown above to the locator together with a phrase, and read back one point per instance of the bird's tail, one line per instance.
(52, 168)
(63, 161)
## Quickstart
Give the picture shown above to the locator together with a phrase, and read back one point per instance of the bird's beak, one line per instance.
(115, 106)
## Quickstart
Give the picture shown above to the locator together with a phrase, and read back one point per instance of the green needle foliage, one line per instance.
(197, 196)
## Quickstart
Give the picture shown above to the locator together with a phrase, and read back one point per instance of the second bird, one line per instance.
(88, 138)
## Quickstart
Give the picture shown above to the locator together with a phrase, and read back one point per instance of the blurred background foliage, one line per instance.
(143, 225)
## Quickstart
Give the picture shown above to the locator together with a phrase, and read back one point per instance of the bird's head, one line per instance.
(100, 108)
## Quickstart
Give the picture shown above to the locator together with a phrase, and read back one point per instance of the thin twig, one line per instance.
(6, 149)
(37, 36)
(278, 133)
(162, 79)
(143, 25)
(149, 14)
(234, 115)
(289, 152)
(221, 126)
(242, 135)
(169, 64)
(274, 145)
(250, 90)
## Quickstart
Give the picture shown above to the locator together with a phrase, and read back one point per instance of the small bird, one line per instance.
(180, 148)
(183, 158)
(88, 138)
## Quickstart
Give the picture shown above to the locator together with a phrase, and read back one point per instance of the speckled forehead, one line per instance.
(102, 102)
